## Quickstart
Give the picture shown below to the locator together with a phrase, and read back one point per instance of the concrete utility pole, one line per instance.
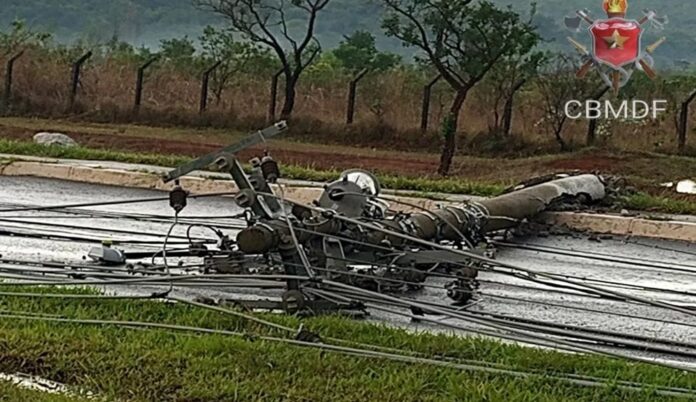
(471, 219)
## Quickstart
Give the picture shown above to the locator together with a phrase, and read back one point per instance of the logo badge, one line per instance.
(616, 43)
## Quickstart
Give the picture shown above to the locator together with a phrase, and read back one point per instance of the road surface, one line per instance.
(500, 295)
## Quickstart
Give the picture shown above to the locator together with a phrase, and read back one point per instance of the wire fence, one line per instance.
(111, 91)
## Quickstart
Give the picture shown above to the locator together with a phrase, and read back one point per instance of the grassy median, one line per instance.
(425, 187)
(453, 186)
(119, 363)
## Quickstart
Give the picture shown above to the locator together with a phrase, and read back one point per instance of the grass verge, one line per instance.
(646, 202)
(423, 186)
(146, 365)
(453, 186)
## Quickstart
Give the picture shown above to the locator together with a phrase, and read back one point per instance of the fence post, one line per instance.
(507, 108)
(76, 66)
(425, 109)
(7, 94)
(274, 95)
(592, 126)
(139, 83)
(352, 90)
(204, 86)
(684, 121)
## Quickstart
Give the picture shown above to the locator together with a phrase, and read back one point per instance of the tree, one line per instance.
(124, 52)
(219, 45)
(20, 36)
(557, 84)
(502, 84)
(678, 89)
(180, 52)
(463, 40)
(267, 23)
(359, 50)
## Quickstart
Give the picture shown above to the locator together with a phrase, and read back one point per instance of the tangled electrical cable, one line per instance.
(301, 338)
(320, 282)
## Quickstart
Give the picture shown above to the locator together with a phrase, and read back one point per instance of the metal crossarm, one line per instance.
(209, 159)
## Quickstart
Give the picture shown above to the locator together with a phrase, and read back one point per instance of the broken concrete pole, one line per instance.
(509, 209)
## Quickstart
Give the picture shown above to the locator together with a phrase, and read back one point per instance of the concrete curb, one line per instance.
(112, 177)
(149, 177)
(624, 226)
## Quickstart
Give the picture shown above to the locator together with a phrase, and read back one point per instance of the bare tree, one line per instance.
(557, 85)
(463, 40)
(502, 84)
(266, 22)
(230, 57)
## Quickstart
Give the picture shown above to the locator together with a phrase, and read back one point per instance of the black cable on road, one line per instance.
(579, 308)
(530, 275)
(55, 235)
(626, 341)
(657, 247)
(579, 349)
(493, 324)
(521, 272)
(30, 225)
(687, 269)
(108, 203)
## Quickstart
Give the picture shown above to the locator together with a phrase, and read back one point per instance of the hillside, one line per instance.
(145, 22)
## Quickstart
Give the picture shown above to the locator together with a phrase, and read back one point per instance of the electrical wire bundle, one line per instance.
(499, 283)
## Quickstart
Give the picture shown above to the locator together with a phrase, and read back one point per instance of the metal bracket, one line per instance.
(209, 159)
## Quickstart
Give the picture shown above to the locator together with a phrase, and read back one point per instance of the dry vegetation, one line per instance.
(388, 108)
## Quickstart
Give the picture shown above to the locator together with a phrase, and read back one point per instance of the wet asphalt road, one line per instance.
(499, 295)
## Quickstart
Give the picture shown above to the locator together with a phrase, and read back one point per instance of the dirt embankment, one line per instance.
(413, 164)
(649, 169)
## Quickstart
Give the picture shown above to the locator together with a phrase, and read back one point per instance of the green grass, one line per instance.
(143, 365)
(646, 202)
(32, 149)
(10, 392)
(392, 182)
